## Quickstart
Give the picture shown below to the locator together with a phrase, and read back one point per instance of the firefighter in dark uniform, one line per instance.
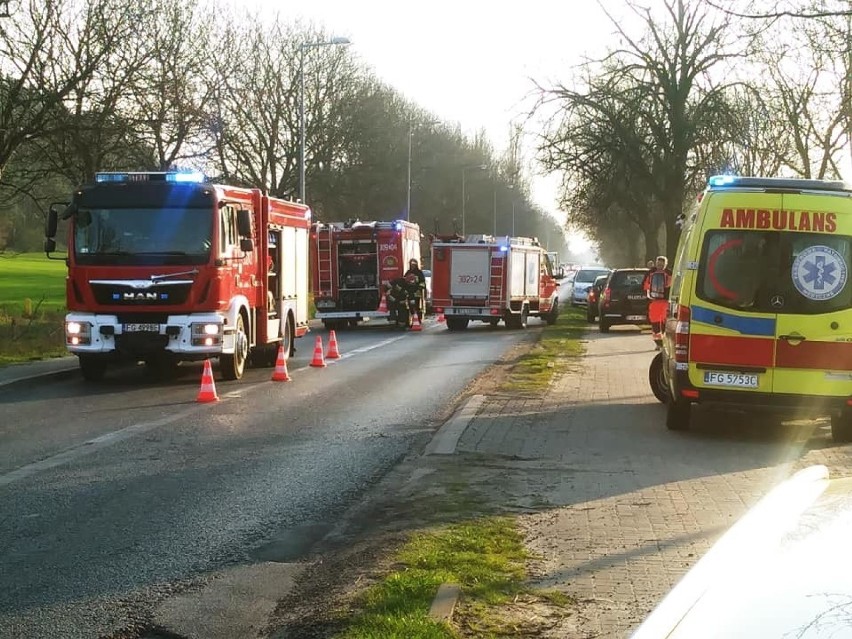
(420, 290)
(397, 297)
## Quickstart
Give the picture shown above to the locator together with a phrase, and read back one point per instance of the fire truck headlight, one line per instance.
(206, 334)
(78, 333)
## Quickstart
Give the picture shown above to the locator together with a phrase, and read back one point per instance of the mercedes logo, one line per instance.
(777, 301)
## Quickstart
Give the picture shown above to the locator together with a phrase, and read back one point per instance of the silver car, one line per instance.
(582, 281)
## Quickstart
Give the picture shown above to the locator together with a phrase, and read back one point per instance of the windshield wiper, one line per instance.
(157, 278)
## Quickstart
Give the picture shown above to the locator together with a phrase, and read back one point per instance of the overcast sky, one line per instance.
(467, 61)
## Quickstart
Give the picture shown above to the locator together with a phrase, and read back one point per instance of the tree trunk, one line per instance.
(652, 246)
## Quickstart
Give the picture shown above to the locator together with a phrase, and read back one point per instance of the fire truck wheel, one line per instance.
(553, 315)
(234, 365)
(92, 367)
(457, 323)
(494, 321)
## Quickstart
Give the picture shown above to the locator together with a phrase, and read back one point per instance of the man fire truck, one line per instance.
(352, 262)
(164, 267)
(484, 278)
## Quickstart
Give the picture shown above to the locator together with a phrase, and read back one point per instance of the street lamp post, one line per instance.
(408, 190)
(302, 48)
(479, 167)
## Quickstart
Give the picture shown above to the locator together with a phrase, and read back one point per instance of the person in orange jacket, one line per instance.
(657, 307)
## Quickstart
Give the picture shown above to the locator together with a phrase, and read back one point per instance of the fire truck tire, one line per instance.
(457, 323)
(553, 315)
(233, 365)
(92, 367)
(494, 321)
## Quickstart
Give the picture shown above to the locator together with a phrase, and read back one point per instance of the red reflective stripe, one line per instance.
(820, 355)
(723, 349)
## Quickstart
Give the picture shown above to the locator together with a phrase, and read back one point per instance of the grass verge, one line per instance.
(551, 355)
(484, 556)
(32, 307)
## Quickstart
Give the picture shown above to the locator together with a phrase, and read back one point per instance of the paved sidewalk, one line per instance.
(617, 508)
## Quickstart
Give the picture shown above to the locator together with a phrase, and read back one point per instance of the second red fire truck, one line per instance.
(492, 279)
(350, 263)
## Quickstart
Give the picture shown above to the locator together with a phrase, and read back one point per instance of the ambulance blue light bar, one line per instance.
(187, 177)
(722, 180)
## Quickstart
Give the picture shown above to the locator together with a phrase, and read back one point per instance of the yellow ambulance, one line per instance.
(760, 308)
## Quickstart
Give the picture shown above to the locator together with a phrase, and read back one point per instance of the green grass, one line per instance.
(559, 345)
(485, 557)
(32, 307)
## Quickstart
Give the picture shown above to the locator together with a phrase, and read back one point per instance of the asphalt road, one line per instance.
(113, 493)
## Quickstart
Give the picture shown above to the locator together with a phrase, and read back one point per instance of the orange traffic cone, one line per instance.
(416, 326)
(318, 361)
(333, 352)
(207, 393)
(383, 304)
(280, 373)
(441, 319)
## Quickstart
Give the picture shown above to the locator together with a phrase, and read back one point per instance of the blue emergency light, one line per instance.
(722, 180)
(180, 177)
(398, 226)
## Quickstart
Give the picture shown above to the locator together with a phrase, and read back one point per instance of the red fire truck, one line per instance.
(351, 260)
(484, 278)
(164, 267)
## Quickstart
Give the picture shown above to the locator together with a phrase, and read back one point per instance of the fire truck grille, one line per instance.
(162, 295)
(359, 300)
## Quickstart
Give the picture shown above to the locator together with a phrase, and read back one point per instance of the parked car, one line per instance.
(780, 571)
(583, 279)
(623, 299)
(594, 296)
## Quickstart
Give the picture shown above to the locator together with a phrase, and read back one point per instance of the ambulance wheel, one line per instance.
(657, 379)
(841, 427)
(234, 365)
(677, 415)
(93, 367)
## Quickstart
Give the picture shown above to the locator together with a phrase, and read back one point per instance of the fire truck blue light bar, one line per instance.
(190, 177)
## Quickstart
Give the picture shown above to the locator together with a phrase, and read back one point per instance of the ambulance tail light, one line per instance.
(681, 338)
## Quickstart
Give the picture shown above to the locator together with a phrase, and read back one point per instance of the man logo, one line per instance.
(139, 297)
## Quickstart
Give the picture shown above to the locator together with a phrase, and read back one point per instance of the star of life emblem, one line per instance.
(819, 273)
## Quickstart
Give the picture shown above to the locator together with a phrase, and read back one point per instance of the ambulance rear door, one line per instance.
(813, 297)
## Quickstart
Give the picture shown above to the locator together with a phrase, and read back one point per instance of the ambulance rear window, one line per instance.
(772, 272)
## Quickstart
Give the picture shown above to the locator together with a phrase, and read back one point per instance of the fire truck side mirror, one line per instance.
(49, 245)
(244, 223)
(51, 222)
(246, 245)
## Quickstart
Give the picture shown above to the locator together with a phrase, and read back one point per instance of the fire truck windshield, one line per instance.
(140, 236)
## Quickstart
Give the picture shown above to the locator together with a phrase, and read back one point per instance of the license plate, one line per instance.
(141, 328)
(736, 380)
(636, 318)
(637, 297)
(466, 311)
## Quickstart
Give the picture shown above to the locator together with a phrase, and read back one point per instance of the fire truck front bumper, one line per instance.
(350, 315)
(186, 335)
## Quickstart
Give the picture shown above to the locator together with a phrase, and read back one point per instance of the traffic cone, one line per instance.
(383, 304)
(318, 361)
(207, 393)
(416, 326)
(441, 319)
(280, 373)
(333, 352)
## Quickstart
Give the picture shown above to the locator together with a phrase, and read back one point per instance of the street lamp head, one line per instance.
(340, 40)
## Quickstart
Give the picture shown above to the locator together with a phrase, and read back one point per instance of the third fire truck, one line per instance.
(489, 279)
(350, 263)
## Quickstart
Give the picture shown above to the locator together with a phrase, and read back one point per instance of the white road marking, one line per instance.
(108, 439)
